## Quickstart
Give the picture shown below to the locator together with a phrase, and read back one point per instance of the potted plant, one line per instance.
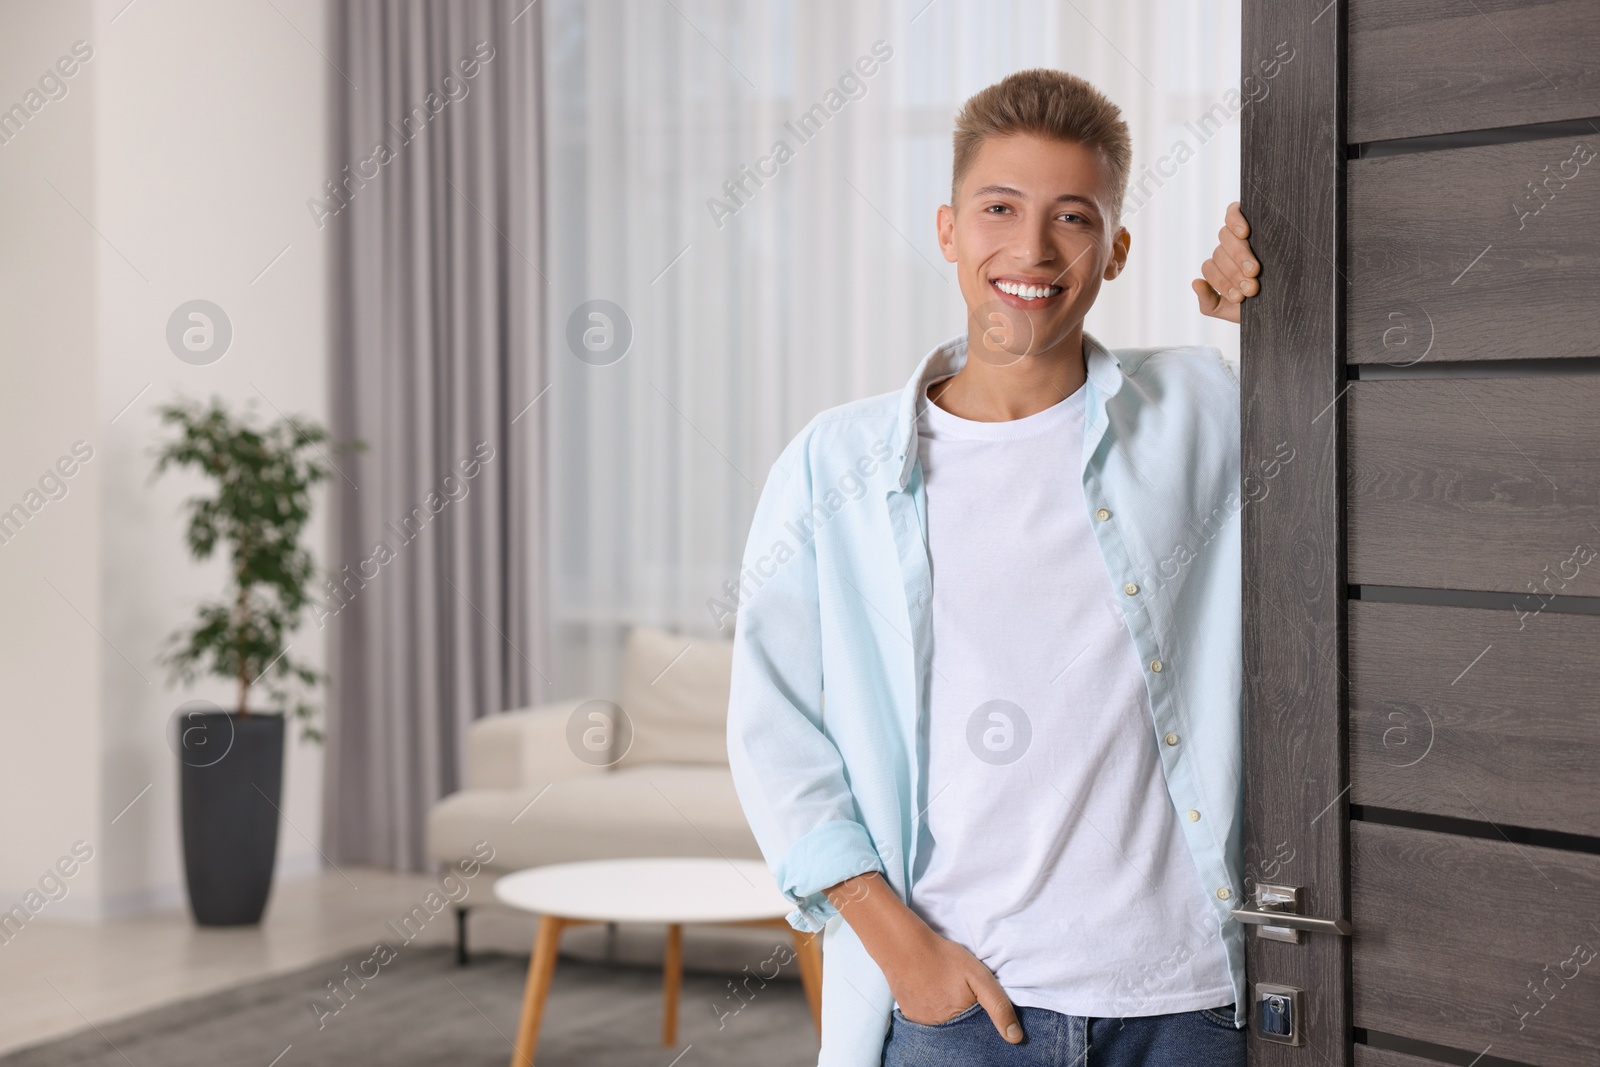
(231, 762)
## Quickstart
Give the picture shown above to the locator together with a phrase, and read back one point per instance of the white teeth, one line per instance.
(1028, 292)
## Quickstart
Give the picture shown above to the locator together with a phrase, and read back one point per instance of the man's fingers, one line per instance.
(1231, 271)
(1223, 284)
(1236, 221)
(1212, 304)
(1227, 278)
(1238, 282)
(996, 1003)
(1238, 250)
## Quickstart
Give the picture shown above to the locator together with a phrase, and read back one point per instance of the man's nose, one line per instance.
(1034, 245)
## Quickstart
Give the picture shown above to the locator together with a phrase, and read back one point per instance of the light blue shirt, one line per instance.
(835, 594)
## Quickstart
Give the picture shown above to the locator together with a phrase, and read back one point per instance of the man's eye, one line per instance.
(1071, 217)
(997, 207)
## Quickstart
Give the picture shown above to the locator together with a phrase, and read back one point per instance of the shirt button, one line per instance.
(1171, 739)
(1194, 816)
(1102, 514)
(1131, 589)
(1155, 665)
(1224, 893)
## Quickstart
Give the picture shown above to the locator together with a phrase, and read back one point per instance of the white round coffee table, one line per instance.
(671, 891)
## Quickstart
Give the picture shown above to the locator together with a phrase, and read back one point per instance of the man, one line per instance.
(1016, 809)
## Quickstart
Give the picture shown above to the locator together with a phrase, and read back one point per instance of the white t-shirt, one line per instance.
(1053, 852)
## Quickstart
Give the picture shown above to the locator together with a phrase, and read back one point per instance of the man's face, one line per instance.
(1032, 238)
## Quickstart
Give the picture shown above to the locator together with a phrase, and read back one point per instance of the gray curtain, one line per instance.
(433, 211)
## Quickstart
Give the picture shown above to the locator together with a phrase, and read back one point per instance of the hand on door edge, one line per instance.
(1229, 276)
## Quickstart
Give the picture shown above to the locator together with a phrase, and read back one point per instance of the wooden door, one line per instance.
(1422, 579)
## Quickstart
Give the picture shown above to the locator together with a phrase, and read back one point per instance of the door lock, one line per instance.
(1279, 914)
(1278, 1013)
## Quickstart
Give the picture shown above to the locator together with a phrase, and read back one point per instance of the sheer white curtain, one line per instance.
(821, 284)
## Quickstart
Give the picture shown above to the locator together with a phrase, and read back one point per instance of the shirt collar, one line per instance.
(1104, 376)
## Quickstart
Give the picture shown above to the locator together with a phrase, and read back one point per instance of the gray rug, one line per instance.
(420, 1009)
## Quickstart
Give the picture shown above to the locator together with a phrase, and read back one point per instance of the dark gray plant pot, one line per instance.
(231, 783)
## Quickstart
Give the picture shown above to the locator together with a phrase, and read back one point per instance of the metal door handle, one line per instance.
(1292, 921)
(1280, 915)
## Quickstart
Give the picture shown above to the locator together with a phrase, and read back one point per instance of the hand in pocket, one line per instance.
(940, 979)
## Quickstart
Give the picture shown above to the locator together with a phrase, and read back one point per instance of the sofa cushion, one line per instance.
(675, 694)
(653, 810)
(526, 746)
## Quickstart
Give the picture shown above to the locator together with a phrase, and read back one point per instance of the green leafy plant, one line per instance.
(262, 482)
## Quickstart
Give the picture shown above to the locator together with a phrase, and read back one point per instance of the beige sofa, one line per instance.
(565, 781)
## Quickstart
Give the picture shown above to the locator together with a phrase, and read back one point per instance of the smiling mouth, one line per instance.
(1027, 294)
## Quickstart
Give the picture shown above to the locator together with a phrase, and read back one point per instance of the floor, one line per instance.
(421, 1010)
(57, 977)
(61, 976)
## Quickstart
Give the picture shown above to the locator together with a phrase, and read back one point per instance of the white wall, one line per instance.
(50, 656)
(195, 135)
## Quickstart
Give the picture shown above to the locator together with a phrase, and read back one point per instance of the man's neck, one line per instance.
(998, 387)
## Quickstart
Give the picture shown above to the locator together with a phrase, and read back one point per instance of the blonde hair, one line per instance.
(1047, 103)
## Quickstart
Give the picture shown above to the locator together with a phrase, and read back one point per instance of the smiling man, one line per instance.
(1018, 816)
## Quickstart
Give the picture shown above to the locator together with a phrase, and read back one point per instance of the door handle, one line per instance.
(1291, 921)
(1279, 914)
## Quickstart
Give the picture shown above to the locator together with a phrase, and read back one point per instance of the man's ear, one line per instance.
(1119, 253)
(945, 223)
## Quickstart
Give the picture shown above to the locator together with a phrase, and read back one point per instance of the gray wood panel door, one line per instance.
(1422, 582)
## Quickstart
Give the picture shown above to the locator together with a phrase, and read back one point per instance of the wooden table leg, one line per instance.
(672, 982)
(808, 954)
(541, 967)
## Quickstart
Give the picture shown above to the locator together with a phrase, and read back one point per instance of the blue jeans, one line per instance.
(1204, 1038)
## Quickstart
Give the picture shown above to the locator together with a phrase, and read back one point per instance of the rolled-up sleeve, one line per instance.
(788, 773)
